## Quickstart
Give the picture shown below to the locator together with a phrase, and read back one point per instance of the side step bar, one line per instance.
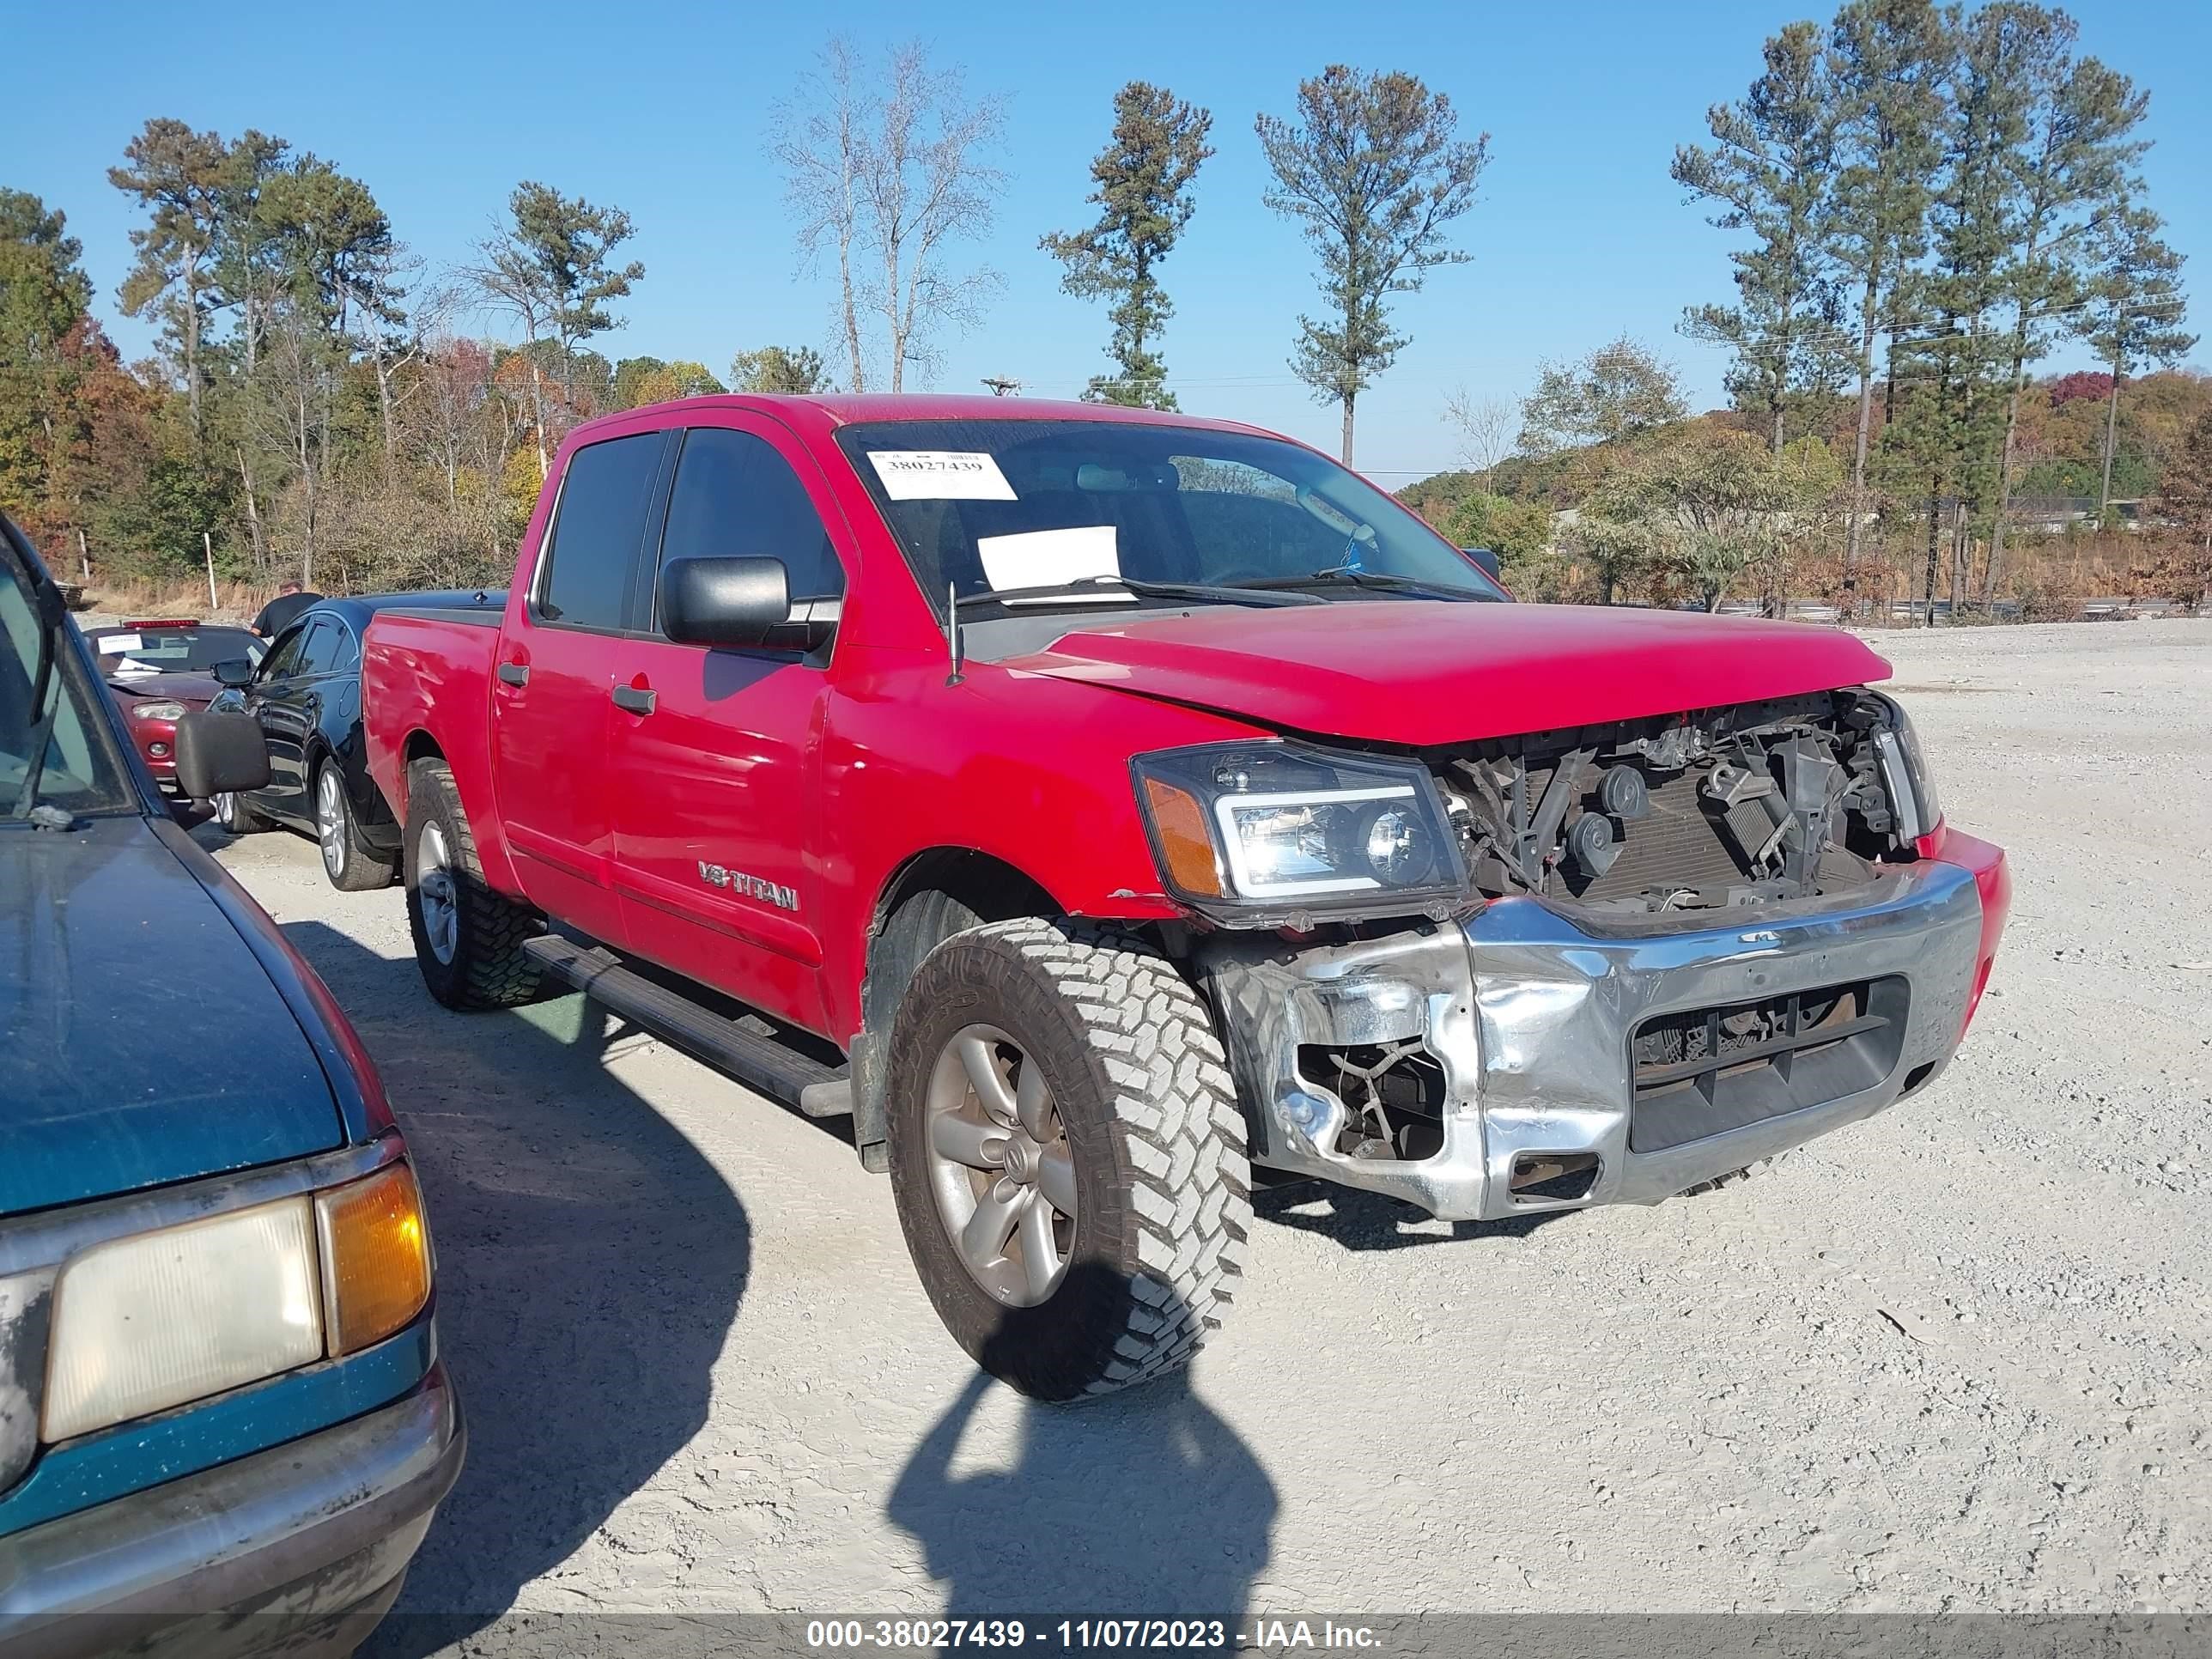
(760, 1063)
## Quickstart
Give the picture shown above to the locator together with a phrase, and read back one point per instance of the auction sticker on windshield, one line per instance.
(940, 475)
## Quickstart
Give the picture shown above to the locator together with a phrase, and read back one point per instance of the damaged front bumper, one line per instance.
(1582, 1067)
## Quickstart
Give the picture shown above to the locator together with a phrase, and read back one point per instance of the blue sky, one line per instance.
(664, 110)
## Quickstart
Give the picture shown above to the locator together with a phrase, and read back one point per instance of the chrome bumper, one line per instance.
(302, 1545)
(1530, 1016)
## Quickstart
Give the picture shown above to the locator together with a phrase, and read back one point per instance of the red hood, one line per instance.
(1420, 672)
(196, 689)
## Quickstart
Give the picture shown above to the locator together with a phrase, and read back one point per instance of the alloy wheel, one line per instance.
(331, 820)
(1000, 1166)
(436, 898)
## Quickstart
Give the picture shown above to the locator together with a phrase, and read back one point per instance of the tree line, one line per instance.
(1922, 204)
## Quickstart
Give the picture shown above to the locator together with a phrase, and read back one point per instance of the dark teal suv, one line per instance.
(224, 1423)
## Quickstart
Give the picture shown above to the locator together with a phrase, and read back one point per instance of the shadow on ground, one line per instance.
(1369, 1221)
(590, 1263)
(1097, 1516)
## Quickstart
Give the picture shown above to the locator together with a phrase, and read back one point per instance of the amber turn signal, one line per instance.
(1180, 823)
(376, 1257)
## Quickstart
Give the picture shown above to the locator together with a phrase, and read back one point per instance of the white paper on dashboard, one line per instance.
(116, 644)
(940, 475)
(1039, 558)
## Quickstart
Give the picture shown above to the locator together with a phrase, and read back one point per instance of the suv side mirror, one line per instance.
(1486, 557)
(236, 672)
(723, 601)
(221, 754)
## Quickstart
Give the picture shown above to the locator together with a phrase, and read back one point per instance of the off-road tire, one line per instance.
(233, 817)
(490, 968)
(365, 868)
(1144, 1092)
(1734, 1176)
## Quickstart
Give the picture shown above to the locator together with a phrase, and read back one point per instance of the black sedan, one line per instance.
(307, 695)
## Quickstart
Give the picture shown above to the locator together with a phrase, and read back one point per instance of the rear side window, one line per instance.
(735, 497)
(601, 521)
(326, 649)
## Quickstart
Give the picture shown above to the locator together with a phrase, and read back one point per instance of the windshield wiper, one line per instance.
(1351, 576)
(1104, 585)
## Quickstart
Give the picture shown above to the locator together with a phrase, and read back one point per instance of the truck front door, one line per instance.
(563, 651)
(716, 818)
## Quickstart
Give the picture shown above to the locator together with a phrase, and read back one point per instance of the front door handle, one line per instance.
(514, 673)
(636, 700)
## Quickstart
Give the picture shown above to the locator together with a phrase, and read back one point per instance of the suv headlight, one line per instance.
(1257, 834)
(159, 711)
(154, 1319)
(1905, 772)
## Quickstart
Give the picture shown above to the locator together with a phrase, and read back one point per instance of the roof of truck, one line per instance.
(850, 409)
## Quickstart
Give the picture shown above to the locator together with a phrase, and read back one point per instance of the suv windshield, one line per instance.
(79, 773)
(165, 648)
(987, 507)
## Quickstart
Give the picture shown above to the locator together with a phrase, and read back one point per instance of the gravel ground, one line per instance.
(1951, 1359)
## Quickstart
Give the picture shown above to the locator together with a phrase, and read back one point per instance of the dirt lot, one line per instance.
(1952, 1358)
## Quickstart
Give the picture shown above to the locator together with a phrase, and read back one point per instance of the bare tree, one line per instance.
(1486, 426)
(892, 172)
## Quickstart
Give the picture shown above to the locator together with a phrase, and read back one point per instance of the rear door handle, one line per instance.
(636, 702)
(514, 673)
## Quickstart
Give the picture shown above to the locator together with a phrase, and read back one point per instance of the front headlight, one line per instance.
(1904, 773)
(158, 711)
(159, 1319)
(1255, 834)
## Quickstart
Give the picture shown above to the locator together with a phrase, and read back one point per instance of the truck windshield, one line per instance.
(1064, 510)
(58, 727)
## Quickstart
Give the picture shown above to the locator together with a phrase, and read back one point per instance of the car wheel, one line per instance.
(1068, 1154)
(352, 865)
(235, 817)
(468, 938)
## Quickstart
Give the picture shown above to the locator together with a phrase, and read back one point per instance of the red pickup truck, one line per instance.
(1108, 809)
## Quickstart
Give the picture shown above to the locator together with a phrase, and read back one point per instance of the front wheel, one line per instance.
(351, 863)
(1068, 1154)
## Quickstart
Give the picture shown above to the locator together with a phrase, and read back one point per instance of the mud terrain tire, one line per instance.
(481, 963)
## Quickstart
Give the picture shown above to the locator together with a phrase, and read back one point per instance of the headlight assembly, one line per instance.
(158, 711)
(154, 1319)
(1259, 835)
(1905, 772)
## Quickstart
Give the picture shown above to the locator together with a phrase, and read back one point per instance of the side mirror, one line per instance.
(236, 672)
(721, 601)
(1486, 557)
(221, 754)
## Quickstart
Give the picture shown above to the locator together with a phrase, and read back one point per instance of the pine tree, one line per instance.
(2134, 311)
(1143, 178)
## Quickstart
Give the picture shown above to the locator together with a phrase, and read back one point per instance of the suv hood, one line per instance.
(144, 1040)
(164, 688)
(1421, 672)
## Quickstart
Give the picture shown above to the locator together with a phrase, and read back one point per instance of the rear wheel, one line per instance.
(352, 865)
(468, 938)
(1068, 1154)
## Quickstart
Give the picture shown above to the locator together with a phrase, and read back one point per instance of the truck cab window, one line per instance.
(604, 498)
(735, 497)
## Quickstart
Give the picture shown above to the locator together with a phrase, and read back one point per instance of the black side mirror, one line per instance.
(221, 754)
(237, 671)
(1486, 557)
(721, 601)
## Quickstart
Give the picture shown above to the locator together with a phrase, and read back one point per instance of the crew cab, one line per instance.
(224, 1426)
(1108, 808)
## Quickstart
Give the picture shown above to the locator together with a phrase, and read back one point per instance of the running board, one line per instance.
(760, 1063)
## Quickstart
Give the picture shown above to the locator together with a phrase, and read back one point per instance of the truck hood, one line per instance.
(1420, 672)
(144, 1042)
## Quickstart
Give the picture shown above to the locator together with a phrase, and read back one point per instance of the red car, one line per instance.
(161, 670)
(1110, 808)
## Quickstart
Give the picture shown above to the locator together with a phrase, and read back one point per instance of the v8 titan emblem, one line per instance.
(753, 887)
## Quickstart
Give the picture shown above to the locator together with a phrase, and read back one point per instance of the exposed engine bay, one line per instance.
(1748, 806)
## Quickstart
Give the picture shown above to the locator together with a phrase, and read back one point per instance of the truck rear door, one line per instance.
(717, 821)
(566, 646)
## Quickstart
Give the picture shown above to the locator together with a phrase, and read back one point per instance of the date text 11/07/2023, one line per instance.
(1083, 1635)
